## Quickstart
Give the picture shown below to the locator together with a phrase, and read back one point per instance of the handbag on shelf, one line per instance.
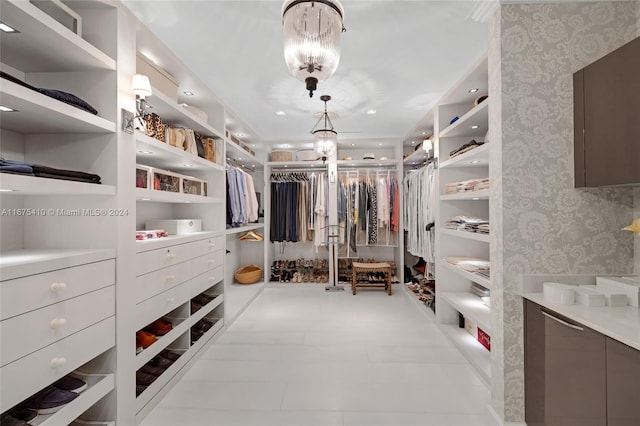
(190, 142)
(176, 136)
(210, 149)
(200, 141)
(154, 126)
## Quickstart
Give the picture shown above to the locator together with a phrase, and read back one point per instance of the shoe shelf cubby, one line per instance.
(181, 324)
(152, 389)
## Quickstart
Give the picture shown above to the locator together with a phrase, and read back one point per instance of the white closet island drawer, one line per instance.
(202, 264)
(149, 261)
(154, 308)
(23, 334)
(148, 285)
(208, 245)
(28, 375)
(205, 281)
(36, 291)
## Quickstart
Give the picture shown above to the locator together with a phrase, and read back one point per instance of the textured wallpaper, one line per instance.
(546, 226)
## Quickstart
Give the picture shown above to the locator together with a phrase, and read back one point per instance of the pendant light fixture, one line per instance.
(325, 138)
(312, 32)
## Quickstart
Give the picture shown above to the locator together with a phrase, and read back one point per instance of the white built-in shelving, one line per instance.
(59, 236)
(243, 229)
(152, 152)
(155, 196)
(477, 157)
(469, 195)
(474, 352)
(467, 235)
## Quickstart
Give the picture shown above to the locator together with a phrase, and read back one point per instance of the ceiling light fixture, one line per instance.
(7, 109)
(189, 93)
(475, 162)
(473, 90)
(372, 112)
(312, 31)
(475, 127)
(326, 138)
(7, 29)
(281, 113)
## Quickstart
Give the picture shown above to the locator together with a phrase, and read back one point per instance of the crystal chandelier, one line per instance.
(312, 31)
(326, 138)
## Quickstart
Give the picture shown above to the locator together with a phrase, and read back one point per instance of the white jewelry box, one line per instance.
(176, 226)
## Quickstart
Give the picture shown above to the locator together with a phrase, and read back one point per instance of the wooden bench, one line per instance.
(369, 268)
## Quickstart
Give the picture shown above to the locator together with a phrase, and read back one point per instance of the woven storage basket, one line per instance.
(248, 274)
(281, 155)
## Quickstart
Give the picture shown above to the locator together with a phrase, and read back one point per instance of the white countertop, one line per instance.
(622, 324)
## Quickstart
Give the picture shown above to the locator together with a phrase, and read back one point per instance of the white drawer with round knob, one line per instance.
(205, 281)
(25, 376)
(148, 285)
(152, 260)
(26, 333)
(201, 264)
(161, 304)
(36, 291)
(207, 245)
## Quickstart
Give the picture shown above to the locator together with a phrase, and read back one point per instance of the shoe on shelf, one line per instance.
(21, 413)
(203, 299)
(69, 383)
(152, 369)
(49, 400)
(170, 355)
(145, 379)
(159, 327)
(145, 339)
(140, 389)
(195, 307)
(8, 420)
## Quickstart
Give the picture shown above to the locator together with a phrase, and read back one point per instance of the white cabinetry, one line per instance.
(58, 246)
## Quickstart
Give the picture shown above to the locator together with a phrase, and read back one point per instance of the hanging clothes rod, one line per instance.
(298, 170)
(241, 166)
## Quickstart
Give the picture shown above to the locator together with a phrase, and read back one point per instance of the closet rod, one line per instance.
(307, 170)
(241, 166)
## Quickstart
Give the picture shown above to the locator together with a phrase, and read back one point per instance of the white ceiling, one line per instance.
(398, 57)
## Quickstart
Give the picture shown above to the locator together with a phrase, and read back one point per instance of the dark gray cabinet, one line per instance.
(607, 119)
(563, 384)
(623, 384)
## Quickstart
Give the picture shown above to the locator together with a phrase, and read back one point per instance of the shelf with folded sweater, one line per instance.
(466, 235)
(15, 184)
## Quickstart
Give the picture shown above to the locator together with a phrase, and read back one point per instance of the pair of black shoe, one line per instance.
(199, 301)
(198, 330)
(153, 369)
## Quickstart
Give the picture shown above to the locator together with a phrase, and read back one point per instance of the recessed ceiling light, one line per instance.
(253, 145)
(423, 133)
(286, 165)
(188, 93)
(475, 161)
(475, 127)
(7, 109)
(353, 144)
(253, 165)
(7, 190)
(240, 135)
(475, 198)
(281, 113)
(371, 112)
(473, 90)
(145, 199)
(239, 159)
(189, 165)
(379, 144)
(413, 142)
(7, 29)
(144, 152)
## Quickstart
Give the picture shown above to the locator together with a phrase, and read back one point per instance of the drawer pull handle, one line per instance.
(171, 277)
(58, 362)
(171, 256)
(171, 299)
(56, 287)
(575, 327)
(57, 323)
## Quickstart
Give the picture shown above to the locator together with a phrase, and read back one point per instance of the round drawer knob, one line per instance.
(171, 277)
(57, 287)
(58, 362)
(57, 323)
(171, 300)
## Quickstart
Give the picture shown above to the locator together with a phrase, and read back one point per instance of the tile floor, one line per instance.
(301, 356)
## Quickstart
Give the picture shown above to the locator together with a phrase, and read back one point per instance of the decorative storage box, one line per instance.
(176, 226)
(159, 78)
(192, 186)
(143, 176)
(166, 181)
(281, 155)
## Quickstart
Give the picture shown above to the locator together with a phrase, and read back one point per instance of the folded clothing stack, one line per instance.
(469, 224)
(466, 186)
(471, 264)
(472, 144)
(22, 168)
(67, 98)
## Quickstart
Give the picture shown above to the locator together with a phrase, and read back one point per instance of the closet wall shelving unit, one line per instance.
(240, 252)
(454, 295)
(58, 250)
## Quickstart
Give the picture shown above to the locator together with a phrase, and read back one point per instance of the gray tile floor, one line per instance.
(300, 356)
